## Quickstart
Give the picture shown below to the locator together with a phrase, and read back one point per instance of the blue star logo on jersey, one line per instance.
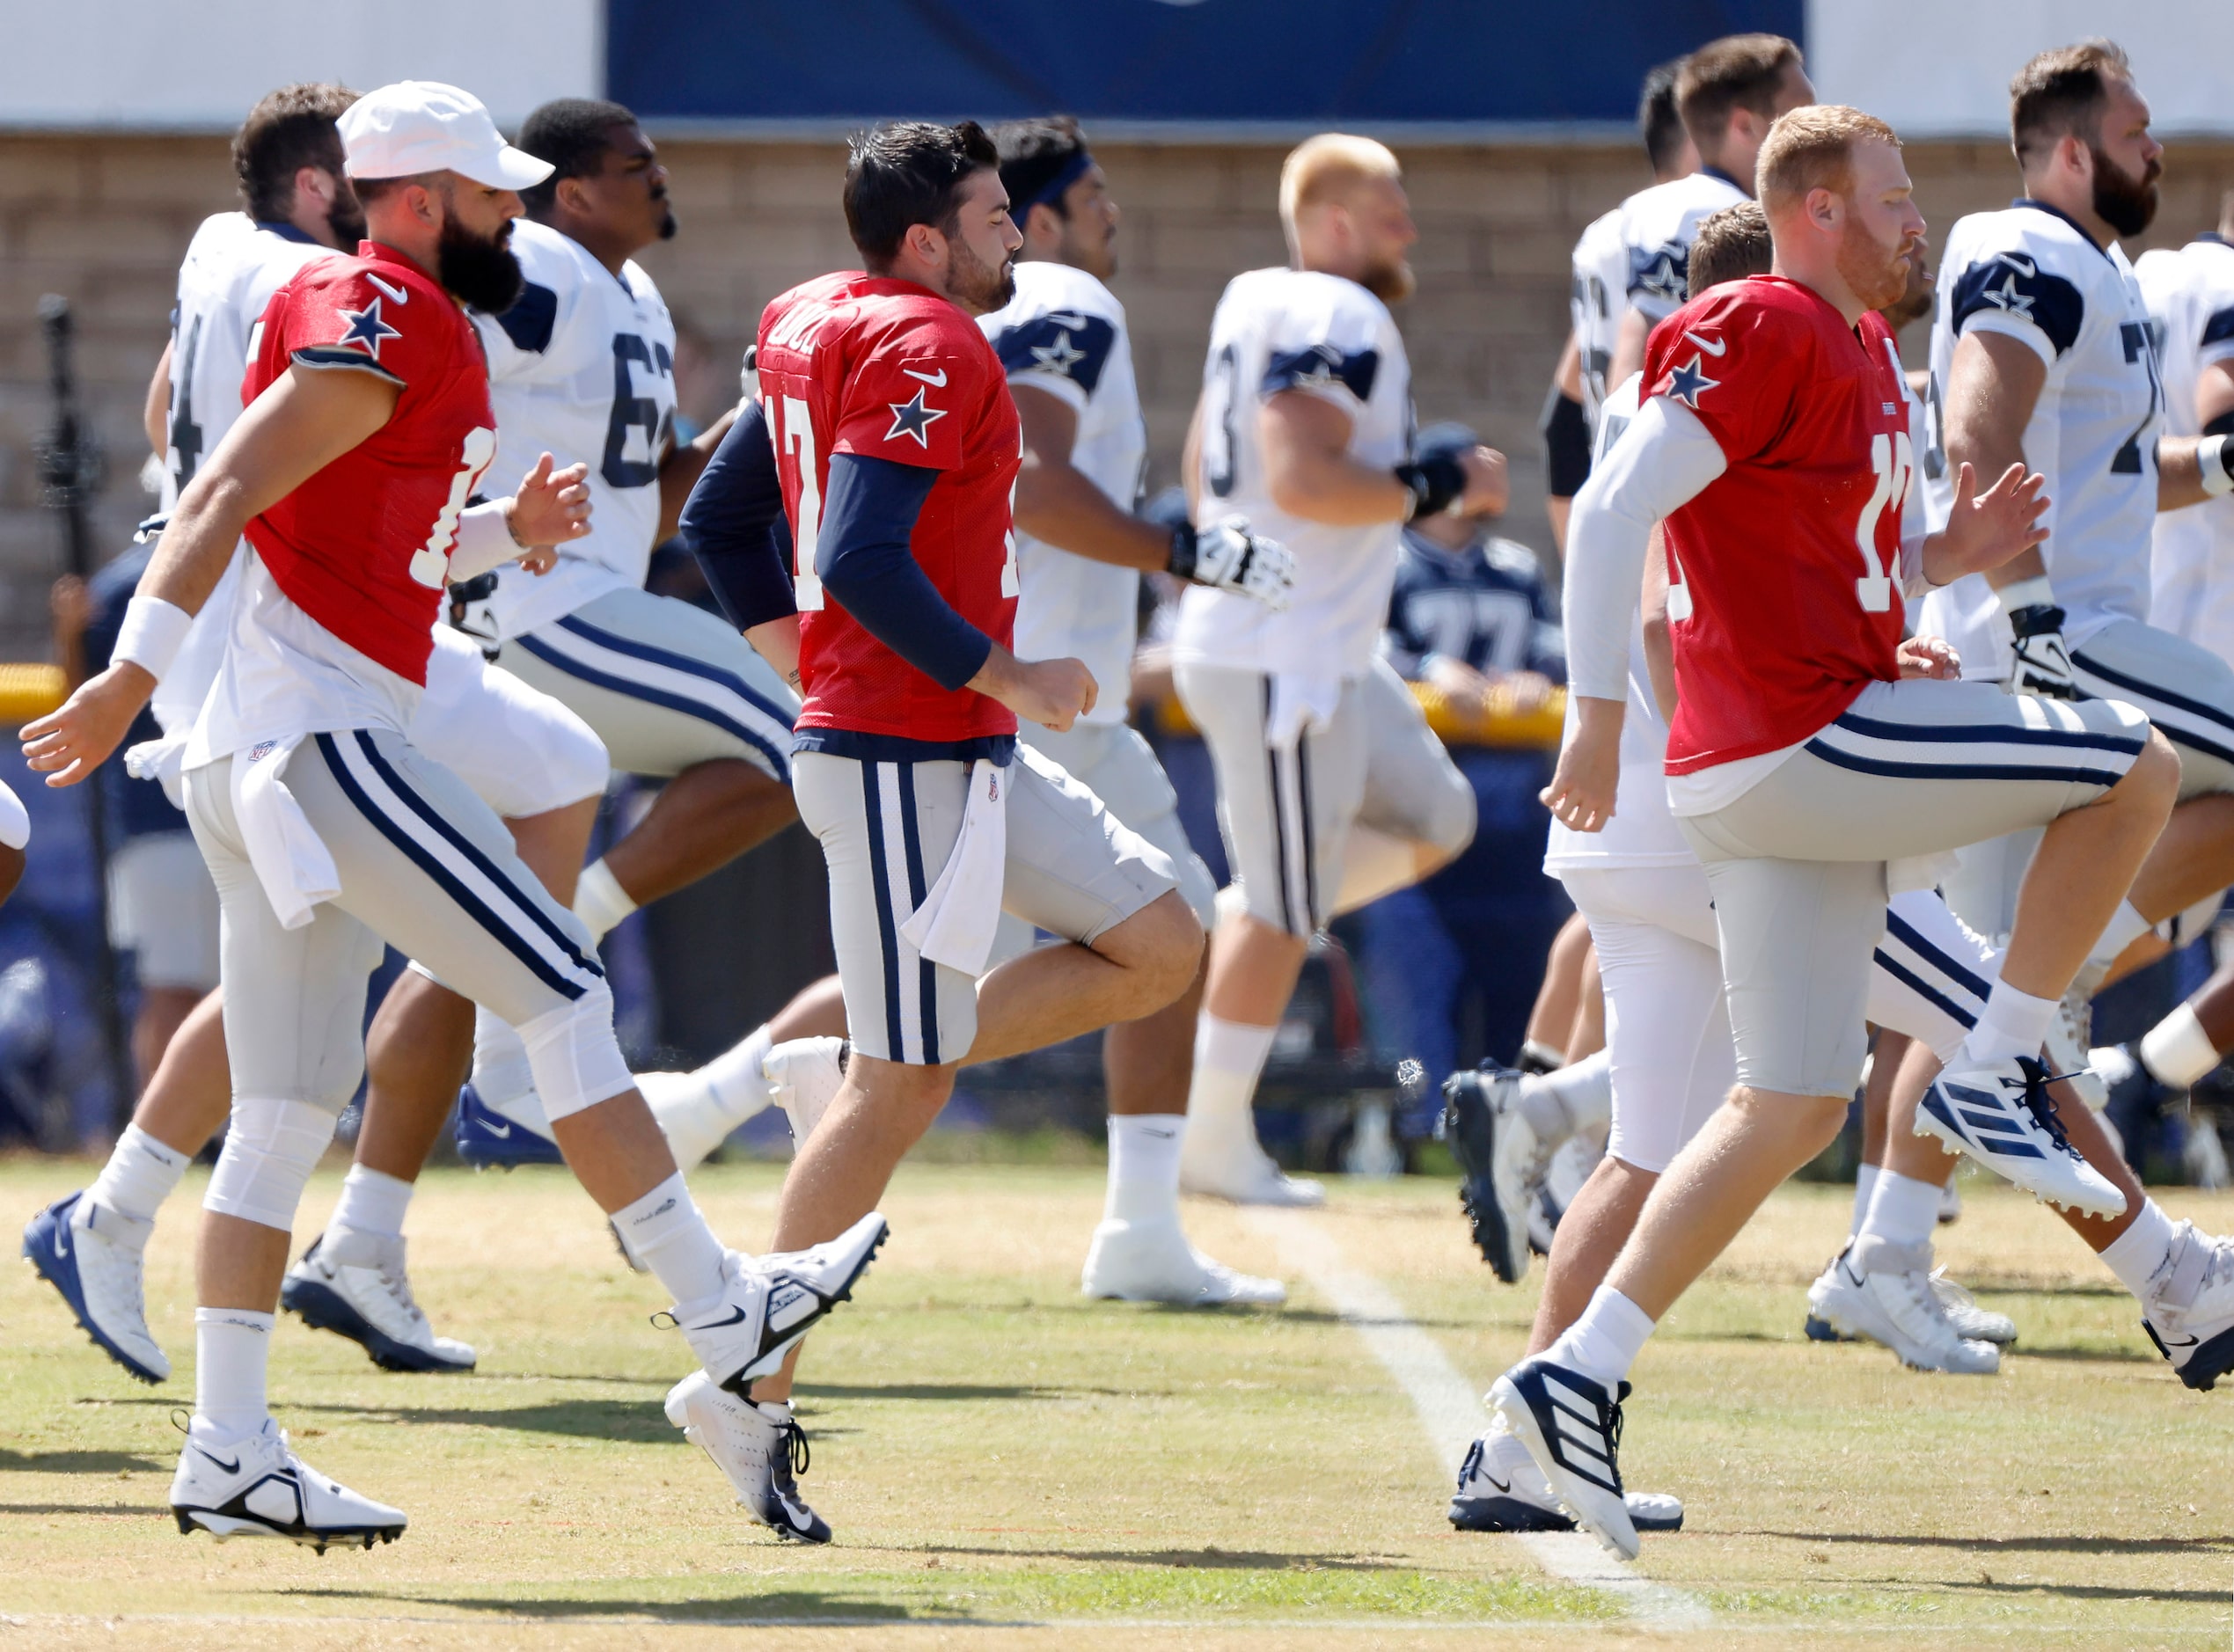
(1059, 356)
(2006, 297)
(912, 418)
(366, 330)
(1665, 272)
(1687, 384)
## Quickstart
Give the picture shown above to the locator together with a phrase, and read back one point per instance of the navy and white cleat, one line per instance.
(770, 1302)
(2189, 1313)
(2003, 1116)
(94, 1257)
(355, 1285)
(488, 1140)
(255, 1487)
(1501, 1490)
(1571, 1428)
(759, 1446)
(1500, 1165)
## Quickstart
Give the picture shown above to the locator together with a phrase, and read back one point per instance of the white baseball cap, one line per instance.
(423, 126)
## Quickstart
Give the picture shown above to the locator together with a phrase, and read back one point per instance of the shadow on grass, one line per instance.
(794, 1605)
(2070, 1351)
(75, 1462)
(1183, 1559)
(1988, 1589)
(962, 1391)
(2054, 1543)
(83, 1509)
(631, 1421)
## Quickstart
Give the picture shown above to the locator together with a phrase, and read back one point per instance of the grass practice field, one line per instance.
(1005, 1463)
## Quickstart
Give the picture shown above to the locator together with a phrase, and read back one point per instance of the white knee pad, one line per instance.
(574, 1055)
(270, 1151)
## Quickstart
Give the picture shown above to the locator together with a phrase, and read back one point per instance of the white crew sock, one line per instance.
(664, 1231)
(1144, 1167)
(1605, 1343)
(139, 1175)
(1864, 1180)
(2126, 927)
(2136, 1255)
(2176, 1050)
(1574, 1098)
(1903, 1209)
(734, 1078)
(599, 900)
(2013, 1024)
(1228, 1057)
(500, 1071)
(372, 1202)
(231, 1349)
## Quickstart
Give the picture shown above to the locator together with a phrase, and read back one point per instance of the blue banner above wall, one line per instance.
(1181, 63)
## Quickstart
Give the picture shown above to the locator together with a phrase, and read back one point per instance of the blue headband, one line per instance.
(1051, 191)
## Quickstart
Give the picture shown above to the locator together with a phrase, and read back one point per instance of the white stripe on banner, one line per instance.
(688, 685)
(495, 895)
(1451, 1414)
(906, 959)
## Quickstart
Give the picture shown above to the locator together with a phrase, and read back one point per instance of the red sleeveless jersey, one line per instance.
(363, 546)
(1790, 560)
(866, 364)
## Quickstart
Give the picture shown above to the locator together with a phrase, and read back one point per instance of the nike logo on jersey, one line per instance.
(2022, 266)
(366, 330)
(1712, 348)
(913, 417)
(936, 381)
(401, 295)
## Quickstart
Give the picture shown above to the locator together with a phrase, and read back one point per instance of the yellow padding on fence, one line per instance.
(1500, 723)
(29, 690)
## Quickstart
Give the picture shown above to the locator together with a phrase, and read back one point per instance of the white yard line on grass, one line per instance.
(1451, 1412)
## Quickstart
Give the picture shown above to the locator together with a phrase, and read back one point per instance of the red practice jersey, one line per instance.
(1789, 562)
(363, 546)
(889, 370)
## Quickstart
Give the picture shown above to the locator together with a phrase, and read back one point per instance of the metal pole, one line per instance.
(70, 465)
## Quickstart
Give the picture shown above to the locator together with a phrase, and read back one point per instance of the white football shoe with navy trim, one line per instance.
(96, 1258)
(1501, 1488)
(2003, 1116)
(757, 1444)
(254, 1486)
(770, 1302)
(1885, 1291)
(804, 1077)
(2189, 1313)
(1572, 1427)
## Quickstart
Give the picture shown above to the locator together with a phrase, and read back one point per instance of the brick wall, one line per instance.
(104, 220)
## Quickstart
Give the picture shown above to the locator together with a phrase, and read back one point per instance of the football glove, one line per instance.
(1436, 483)
(2043, 665)
(1227, 556)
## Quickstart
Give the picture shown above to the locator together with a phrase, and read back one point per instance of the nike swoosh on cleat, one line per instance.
(233, 1467)
(61, 1237)
(500, 1131)
(738, 1316)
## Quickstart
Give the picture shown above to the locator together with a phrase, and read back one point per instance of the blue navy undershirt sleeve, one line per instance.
(863, 557)
(734, 524)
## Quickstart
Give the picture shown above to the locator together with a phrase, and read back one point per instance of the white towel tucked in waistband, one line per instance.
(164, 762)
(292, 862)
(955, 924)
(1301, 704)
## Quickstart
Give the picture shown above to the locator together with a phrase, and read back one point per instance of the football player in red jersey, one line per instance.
(886, 432)
(1807, 774)
(349, 471)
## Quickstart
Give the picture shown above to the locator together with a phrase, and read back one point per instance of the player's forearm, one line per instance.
(155, 411)
(2191, 470)
(1333, 488)
(1629, 340)
(1056, 504)
(1993, 384)
(777, 641)
(679, 470)
(198, 541)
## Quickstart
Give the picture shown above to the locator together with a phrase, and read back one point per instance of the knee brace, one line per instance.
(270, 1151)
(572, 1052)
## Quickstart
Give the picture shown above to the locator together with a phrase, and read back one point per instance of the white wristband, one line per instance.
(152, 633)
(2210, 461)
(2032, 593)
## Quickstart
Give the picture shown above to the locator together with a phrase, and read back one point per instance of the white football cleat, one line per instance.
(1240, 1172)
(1883, 1291)
(1501, 1488)
(691, 1108)
(96, 1257)
(1571, 1428)
(1152, 1262)
(1977, 1324)
(2069, 1053)
(2003, 1116)
(804, 1077)
(760, 1447)
(2189, 1312)
(770, 1302)
(355, 1285)
(255, 1487)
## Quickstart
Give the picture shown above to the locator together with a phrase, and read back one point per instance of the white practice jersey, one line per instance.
(1278, 330)
(1658, 227)
(1641, 832)
(2191, 562)
(1597, 295)
(2031, 274)
(1064, 334)
(232, 268)
(582, 368)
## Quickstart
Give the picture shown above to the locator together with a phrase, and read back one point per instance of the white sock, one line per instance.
(139, 1175)
(1864, 1180)
(2013, 1024)
(1144, 1167)
(373, 1202)
(599, 900)
(2136, 1255)
(1903, 1209)
(1605, 1343)
(1573, 1098)
(1228, 1057)
(2126, 927)
(2176, 1050)
(501, 1070)
(664, 1231)
(734, 1078)
(1540, 1057)
(231, 1349)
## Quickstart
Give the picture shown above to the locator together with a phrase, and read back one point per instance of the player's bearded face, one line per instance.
(479, 269)
(973, 282)
(345, 217)
(2125, 202)
(1877, 269)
